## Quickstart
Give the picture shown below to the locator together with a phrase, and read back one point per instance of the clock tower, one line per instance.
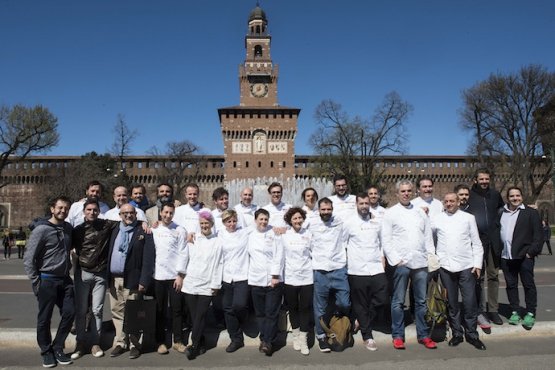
(259, 134)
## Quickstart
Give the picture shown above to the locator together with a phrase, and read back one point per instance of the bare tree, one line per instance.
(179, 163)
(25, 131)
(499, 112)
(123, 138)
(351, 146)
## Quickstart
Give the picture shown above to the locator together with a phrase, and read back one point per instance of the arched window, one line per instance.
(272, 164)
(247, 164)
(283, 164)
(258, 51)
(259, 164)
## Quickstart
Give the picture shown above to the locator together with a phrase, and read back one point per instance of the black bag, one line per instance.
(437, 304)
(140, 318)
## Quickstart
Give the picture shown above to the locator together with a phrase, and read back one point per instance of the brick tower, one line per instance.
(259, 134)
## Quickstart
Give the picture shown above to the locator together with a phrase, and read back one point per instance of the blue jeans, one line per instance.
(419, 279)
(325, 282)
(85, 284)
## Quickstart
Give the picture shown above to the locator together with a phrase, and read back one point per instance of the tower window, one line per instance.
(257, 29)
(272, 164)
(247, 164)
(283, 164)
(259, 164)
(234, 164)
(258, 51)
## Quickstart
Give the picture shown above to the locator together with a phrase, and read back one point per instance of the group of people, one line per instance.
(11, 239)
(342, 255)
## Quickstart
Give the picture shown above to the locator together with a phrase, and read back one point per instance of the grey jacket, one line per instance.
(48, 251)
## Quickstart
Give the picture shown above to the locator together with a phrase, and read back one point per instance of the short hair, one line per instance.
(61, 198)
(227, 214)
(338, 177)
(401, 182)
(273, 185)
(291, 212)
(120, 186)
(218, 193)
(94, 183)
(164, 184)
(482, 170)
(167, 204)
(361, 195)
(325, 200)
(261, 211)
(135, 186)
(513, 188)
(373, 186)
(206, 215)
(422, 179)
(308, 189)
(461, 186)
(192, 185)
(89, 201)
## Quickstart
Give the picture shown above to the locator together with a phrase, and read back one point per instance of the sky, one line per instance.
(168, 65)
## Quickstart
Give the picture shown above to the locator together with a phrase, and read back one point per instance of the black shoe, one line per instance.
(192, 352)
(267, 349)
(324, 346)
(48, 359)
(455, 341)
(234, 346)
(495, 318)
(117, 351)
(477, 343)
(134, 353)
(62, 358)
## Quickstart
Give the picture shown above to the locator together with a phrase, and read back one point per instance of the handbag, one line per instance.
(139, 318)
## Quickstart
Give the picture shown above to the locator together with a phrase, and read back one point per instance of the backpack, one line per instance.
(338, 332)
(436, 302)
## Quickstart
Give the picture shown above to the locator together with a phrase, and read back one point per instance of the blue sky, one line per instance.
(168, 65)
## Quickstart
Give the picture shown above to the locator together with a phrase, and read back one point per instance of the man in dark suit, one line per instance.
(131, 269)
(521, 238)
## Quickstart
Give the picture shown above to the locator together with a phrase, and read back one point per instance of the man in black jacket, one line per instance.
(47, 264)
(484, 203)
(521, 238)
(91, 243)
(130, 271)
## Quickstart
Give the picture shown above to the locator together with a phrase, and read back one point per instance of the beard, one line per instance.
(325, 217)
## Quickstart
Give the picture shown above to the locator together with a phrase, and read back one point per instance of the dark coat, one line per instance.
(527, 235)
(139, 264)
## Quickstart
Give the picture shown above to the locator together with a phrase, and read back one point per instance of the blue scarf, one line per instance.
(124, 239)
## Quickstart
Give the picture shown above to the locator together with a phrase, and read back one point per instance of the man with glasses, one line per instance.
(344, 204)
(276, 207)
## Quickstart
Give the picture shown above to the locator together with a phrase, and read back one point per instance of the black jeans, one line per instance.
(525, 268)
(54, 292)
(198, 306)
(235, 303)
(267, 303)
(465, 281)
(164, 292)
(298, 300)
(368, 295)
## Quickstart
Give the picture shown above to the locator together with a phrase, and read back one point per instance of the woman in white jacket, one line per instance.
(203, 278)
(298, 277)
(265, 278)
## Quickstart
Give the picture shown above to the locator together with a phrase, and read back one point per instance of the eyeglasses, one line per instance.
(127, 213)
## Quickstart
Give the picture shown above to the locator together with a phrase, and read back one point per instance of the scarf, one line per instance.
(124, 239)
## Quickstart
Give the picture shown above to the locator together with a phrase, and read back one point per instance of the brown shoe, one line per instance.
(162, 349)
(179, 347)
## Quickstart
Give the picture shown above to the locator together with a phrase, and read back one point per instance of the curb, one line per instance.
(26, 337)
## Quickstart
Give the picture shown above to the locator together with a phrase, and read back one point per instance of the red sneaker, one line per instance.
(428, 343)
(398, 343)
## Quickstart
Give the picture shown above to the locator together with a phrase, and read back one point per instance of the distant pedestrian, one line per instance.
(547, 235)
(7, 242)
(20, 240)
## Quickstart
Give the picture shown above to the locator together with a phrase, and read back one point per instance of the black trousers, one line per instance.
(298, 300)
(54, 292)
(198, 307)
(465, 282)
(368, 295)
(524, 268)
(165, 293)
(267, 303)
(235, 304)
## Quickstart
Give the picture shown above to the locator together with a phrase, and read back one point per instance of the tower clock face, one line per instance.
(259, 89)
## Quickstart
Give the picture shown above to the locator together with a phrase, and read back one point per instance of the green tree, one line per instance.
(499, 112)
(25, 131)
(352, 145)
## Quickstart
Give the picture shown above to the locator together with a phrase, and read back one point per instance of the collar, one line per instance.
(507, 209)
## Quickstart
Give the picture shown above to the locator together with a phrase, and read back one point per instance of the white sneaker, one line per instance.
(96, 351)
(296, 342)
(370, 345)
(303, 343)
